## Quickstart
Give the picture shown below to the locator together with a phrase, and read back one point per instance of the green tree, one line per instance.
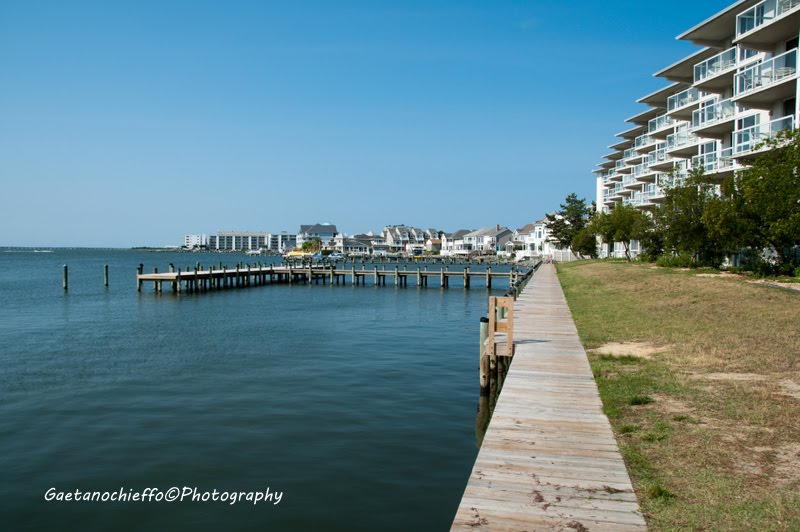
(311, 246)
(567, 222)
(623, 224)
(584, 243)
(682, 218)
(760, 205)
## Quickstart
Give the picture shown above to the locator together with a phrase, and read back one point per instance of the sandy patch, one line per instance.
(790, 388)
(776, 284)
(787, 462)
(739, 377)
(629, 349)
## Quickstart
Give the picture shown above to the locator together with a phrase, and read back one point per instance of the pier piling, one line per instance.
(65, 279)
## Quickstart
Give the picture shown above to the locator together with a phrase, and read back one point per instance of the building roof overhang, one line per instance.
(718, 30)
(683, 70)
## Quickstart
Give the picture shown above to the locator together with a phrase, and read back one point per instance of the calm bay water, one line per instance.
(357, 403)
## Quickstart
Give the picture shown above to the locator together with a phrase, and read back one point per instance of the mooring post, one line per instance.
(396, 276)
(65, 278)
(353, 275)
(489, 278)
(139, 271)
(466, 277)
(105, 275)
(484, 360)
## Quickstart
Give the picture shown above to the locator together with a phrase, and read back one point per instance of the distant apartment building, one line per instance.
(238, 241)
(737, 90)
(195, 241)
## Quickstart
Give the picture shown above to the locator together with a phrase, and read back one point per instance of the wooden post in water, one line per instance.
(105, 275)
(466, 277)
(484, 360)
(353, 276)
(396, 276)
(489, 278)
(139, 271)
(375, 275)
(65, 278)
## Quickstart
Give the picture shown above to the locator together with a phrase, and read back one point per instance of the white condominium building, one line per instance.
(738, 89)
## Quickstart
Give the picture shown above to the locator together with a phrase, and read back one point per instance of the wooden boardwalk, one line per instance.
(549, 460)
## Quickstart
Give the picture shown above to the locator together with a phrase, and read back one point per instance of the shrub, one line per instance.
(676, 261)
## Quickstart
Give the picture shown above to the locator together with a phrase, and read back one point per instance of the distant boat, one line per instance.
(253, 252)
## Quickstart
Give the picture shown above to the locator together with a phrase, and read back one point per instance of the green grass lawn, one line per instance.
(700, 378)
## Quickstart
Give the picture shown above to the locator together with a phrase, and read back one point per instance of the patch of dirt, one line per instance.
(740, 377)
(630, 349)
(787, 462)
(777, 284)
(790, 388)
(669, 405)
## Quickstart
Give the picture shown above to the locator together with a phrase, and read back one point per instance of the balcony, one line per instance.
(682, 104)
(715, 121)
(716, 164)
(644, 143)
(659, 160)
(682, 143)
(716, 73)
(747, 142)
(643, 172)
(660, 126)
(766, 23)
(632, 157)
(767, 82)
(628, 183)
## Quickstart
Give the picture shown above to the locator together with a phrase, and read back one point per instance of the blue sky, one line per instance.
(133, 123)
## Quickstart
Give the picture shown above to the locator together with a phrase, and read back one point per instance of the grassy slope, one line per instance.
(710, 426)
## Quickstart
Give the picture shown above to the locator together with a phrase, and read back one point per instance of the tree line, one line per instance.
(751, 217)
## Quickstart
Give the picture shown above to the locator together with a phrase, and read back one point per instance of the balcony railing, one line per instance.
(711, 114)
(684, 98)
(681, 138)
(630, 153)
(762, 13)
(714, 65)
(748, 139)
(766, 73)
(619, 164)
(659, 122)
(643, 140)
(628, 180)
(640, 170)
(714, 161)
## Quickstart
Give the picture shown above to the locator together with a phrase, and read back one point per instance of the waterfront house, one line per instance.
(433, 245)
(350, 246)
(325, 233)
(488, 240)
(453, 243)
(737, 89)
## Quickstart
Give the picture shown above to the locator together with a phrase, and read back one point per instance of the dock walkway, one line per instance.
(549, 460)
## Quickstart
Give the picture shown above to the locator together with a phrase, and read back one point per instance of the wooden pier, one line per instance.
(549, 460)
(199, 280)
